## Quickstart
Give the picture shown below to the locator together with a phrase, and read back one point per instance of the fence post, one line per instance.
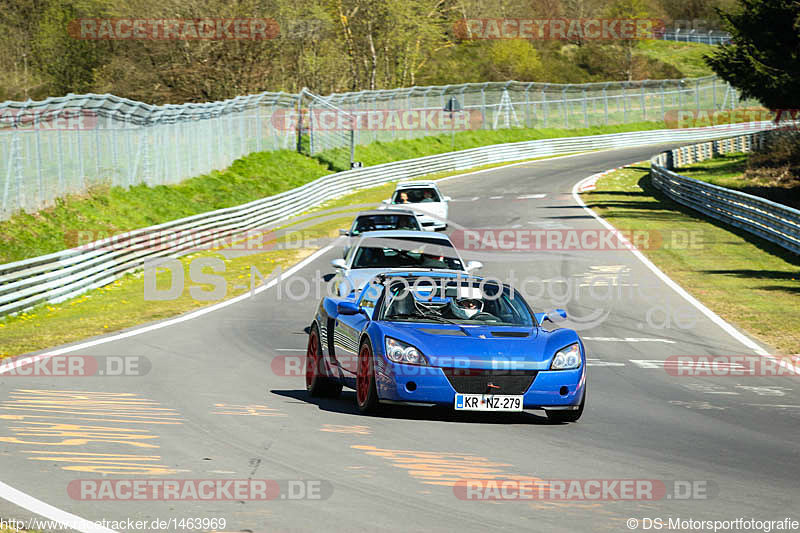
(564, 106)
(527, 105)
(544, 104)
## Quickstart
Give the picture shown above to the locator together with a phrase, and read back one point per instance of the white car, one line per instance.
(399, 251)
(424, 198)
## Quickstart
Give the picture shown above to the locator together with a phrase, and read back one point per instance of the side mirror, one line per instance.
(344, 232)
(473, 265)
(446, 199)
(347, 308)
(555, 316)
(386, 201)
(339, 264)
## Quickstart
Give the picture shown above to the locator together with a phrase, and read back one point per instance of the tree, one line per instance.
(763, 61)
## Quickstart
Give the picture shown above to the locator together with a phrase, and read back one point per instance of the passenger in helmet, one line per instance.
(466, 307)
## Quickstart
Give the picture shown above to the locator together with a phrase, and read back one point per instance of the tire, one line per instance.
(317, 383)
(560, 417)
(366, 390)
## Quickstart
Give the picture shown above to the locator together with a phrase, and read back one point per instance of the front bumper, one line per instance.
(429, 385)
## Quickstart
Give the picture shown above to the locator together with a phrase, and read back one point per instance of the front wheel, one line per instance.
(366, 390)
(559, 417)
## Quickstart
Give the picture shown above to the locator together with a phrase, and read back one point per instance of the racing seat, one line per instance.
(403, 305)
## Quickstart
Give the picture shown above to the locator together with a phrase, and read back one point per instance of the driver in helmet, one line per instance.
(466, 307)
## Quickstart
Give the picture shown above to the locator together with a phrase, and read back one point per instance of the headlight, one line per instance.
(401, 352)
(567, 358)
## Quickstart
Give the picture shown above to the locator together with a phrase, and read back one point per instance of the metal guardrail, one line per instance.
(62, 275)
(774, 222)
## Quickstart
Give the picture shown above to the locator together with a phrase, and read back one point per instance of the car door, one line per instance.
(347, 328)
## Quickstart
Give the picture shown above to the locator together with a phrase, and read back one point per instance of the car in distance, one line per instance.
(380, 251)
(448, 339)
(425, 199)
(380, 220)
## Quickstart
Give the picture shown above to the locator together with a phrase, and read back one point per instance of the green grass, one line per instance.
(727, 170)
(686, 57)
(751, 283)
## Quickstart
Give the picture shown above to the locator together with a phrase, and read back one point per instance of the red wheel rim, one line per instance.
(311, 358)
(363, 376)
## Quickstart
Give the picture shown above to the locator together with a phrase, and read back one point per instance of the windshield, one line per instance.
(385, 222)
(407, 252)
(456, 301)
(416, 195)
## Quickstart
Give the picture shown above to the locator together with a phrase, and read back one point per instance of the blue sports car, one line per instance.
(443, 338)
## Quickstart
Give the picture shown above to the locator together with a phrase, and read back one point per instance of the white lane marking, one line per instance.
(697, 405)
(782, 406)
(48, 511)
(711, 315)
(495, 198)
(628, 339)
(598, 362)
(674, 363)
(515, 226)
(475, 198)
(708, 389)
(549, 224)
(531, 196)
(764, 391)
(289, 349)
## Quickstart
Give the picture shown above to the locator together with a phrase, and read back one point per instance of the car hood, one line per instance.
(487, 347)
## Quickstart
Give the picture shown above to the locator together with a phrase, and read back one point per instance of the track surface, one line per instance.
(186, 417)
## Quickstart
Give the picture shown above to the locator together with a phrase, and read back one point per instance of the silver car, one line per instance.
(379, 220)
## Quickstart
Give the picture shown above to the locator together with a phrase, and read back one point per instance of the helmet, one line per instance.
(466, 307)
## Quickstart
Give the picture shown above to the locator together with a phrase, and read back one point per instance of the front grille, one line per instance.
(476, 381)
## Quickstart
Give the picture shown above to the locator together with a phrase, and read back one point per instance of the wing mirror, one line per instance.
(473, 265)
(344, 232)
(339, 264)
(446, 199)
(555, 316)
(347, 308)
(386, 201)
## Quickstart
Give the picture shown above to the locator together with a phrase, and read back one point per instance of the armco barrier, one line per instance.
(774, 222)
(62, 275)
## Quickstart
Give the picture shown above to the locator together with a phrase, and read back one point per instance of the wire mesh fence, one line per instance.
(68, 145)
(392, 114)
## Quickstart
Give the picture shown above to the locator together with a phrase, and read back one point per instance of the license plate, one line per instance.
(487, 402)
